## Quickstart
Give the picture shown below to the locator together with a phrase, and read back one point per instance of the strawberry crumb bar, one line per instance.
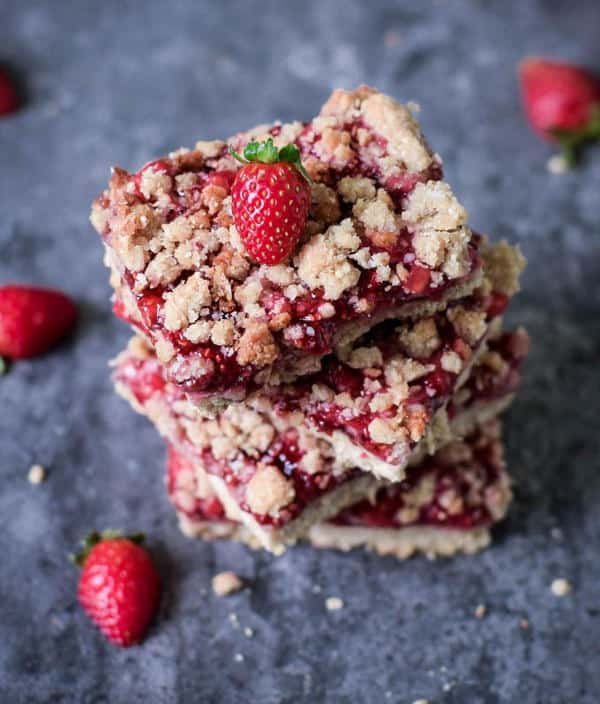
(446, 505)
(277, 478)
(385, 239)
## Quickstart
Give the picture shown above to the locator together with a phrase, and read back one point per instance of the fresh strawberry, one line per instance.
(271, 198)
(9, 100)
(119, 586)
(32, 320)
(562, 102)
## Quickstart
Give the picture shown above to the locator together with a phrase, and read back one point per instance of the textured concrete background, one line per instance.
(117, 81)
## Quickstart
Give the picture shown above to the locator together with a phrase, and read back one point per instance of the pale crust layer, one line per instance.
(403, 543)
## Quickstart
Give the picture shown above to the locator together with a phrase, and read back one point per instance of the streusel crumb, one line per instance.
(334, 603)
(226, 583)
(36, 474)
(268, 491)
(561, 587)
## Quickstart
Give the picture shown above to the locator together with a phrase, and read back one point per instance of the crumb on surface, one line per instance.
(334, 603)
(248, 632)
(36, 474)
(234, 620)
(524, 624)
(226, 583)
(557, 165)
(421, 701)
(238, 657)
(561, 587)
(480, 611)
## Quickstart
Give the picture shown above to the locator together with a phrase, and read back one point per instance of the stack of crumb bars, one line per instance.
(347, 397)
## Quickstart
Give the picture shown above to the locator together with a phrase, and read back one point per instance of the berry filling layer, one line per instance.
(463, 486)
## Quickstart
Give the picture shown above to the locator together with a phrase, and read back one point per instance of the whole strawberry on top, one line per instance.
(562, 102)
(119, 586)
(32, 320)
(270, 200)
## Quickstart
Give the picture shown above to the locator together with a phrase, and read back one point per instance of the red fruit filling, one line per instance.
(436, 492)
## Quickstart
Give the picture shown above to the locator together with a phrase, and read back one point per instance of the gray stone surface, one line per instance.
(123, 81)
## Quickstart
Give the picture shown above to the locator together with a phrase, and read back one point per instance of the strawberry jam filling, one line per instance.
(439, 492)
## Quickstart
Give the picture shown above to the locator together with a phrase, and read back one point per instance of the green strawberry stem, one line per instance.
(268, 153)
(95, 537)
(571, 141)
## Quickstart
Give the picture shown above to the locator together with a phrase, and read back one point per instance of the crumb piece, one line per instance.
(226, 583)
(234, 620)
(268, 491)
(421, 701)
(238, 657)
(560, 587)
(557, 165)
(480, 611)
(248, 632)
(316, 589)
(556, 534)
(333, 603)
(524, 624)
(36, 474)
(447, 686)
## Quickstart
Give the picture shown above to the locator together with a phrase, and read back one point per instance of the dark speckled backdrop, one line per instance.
(120, 81)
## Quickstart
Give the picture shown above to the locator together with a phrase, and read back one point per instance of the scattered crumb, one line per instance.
(226, 583)
(248, 632)
(524, 624)
(36, 474)
(238, 657)
(421, 701)
(560, 587)
(480, 611)
(447, 686)
(234, 620)
(557, 165)
(333, 603)
(316, 589)
(556, 534)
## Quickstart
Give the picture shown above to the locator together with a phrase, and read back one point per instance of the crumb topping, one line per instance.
(504, 264)
(226, 583)
(268, 491)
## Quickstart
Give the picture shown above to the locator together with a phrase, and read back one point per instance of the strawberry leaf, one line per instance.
(267, 153)
(571, 141)
(96, 537)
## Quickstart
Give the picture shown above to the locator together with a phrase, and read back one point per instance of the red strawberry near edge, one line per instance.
(270, 200)
(562, 102)
(9, 100)
(119, 587)
(32, 320)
